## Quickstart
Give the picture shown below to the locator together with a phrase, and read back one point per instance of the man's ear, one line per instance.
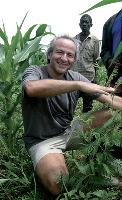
(75, 58)
(49, 56)
(91, 24)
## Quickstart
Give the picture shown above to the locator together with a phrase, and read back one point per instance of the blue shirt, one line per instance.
(117, 31)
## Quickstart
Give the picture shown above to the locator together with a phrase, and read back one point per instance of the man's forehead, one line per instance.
(86, 18)
(66, 45)
(64, 41)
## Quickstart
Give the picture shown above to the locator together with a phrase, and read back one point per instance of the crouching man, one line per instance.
(50, 95)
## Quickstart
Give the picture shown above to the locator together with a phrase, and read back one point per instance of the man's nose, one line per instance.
(64, 56)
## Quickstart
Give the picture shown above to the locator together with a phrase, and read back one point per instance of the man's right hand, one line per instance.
(92, 88)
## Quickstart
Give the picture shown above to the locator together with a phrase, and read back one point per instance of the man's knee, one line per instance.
(50, 171)
(52, 180)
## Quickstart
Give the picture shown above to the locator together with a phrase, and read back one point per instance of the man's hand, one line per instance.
(113, 100)
(92, 88)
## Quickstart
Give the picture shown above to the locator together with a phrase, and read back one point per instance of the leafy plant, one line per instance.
(93, 169)
(15, 56)
(101, 3)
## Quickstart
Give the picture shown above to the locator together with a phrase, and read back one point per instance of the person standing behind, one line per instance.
(88, 46)
(111, 38)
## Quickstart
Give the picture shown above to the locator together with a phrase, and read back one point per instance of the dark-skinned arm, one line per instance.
(99, 117)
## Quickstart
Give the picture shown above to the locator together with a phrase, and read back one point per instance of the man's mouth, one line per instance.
(63, 65)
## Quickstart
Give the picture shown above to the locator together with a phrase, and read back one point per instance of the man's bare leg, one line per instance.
(49, 169)
(98, 118)
(53, 165)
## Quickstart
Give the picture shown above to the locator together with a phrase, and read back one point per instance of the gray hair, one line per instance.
(53, 43)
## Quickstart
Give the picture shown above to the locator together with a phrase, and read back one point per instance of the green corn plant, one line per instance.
(100, 4)
(15, 56)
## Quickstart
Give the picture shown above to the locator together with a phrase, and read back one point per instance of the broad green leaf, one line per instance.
(72, 192)
(101, 3)
(23, 20)
(6, 69)
(107, 169)
(4, 29)
(92, 166)
(2, 97)
(31, 47)
(20, 43)
(81, 194)
(107, 123)
(48, 33)
(100, 193)
(3, 180)
(41, 30)
(2, 73)
(8, 66)
(4, 37)
(20, 69)
(15, 40)
(82, 169)
(2, 54)
(118, 51)
(3, 142)
(26, 37)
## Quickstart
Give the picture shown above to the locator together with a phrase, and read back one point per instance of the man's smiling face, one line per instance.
(62, 57)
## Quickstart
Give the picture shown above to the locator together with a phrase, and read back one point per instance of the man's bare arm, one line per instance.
(113, 100)
(51, 87)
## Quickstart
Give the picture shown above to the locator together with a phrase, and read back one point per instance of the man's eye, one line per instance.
(59, 52)
(70, 55)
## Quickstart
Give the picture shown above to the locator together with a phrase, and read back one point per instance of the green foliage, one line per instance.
(15, 56)
(101, 3)
(118, 51)
(93, 169)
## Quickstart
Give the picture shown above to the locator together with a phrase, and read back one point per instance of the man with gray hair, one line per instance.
(50, 96)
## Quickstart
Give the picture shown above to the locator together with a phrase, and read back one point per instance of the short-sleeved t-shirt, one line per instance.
(44, 118)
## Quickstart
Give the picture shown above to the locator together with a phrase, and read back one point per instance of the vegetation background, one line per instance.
(92, 169)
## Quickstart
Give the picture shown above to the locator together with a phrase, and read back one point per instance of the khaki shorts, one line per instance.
(69, 140)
